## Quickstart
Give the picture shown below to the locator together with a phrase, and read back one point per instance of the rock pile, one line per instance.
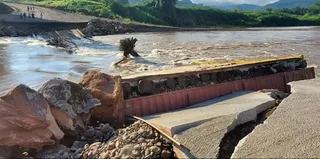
(60, 152)
(11, 31)
(97, 27)
(138, 140)
(26, 119)
(93, 135)
(36, 121)
(102, 133)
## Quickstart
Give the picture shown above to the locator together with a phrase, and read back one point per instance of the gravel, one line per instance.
(138, 140)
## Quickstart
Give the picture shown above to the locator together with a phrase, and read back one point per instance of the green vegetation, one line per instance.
(4, 9)
(165, 12)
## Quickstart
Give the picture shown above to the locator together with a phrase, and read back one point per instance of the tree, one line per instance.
(124, 1)
(166, 5)
(167, 10)
(315, 9)
(269, 10)
(317, 4)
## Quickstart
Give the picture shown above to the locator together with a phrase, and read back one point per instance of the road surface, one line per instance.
(50, 15)
(201, 127)
(292, 131)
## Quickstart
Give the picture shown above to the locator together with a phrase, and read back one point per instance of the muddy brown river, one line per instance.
(30, 61)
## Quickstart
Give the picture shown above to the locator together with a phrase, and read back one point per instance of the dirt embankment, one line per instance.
(4, 9)
(59, 20)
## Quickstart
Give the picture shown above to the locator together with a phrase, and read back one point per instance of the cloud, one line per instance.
(258, 2)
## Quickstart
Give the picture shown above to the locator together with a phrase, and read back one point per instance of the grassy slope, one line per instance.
(185, 16)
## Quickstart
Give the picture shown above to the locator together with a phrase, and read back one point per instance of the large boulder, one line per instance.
(108, 90)
(26, 119)
(70, 104)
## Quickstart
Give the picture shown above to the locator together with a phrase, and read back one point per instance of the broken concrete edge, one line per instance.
(242, 141)
(239, 119)
(242, 118)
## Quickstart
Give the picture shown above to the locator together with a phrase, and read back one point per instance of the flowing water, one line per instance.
(30, 61)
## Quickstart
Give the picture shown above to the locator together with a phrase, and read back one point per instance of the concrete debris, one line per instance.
(204, 140)
(248, 103)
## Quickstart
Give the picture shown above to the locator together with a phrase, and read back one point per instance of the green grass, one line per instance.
(184, 16)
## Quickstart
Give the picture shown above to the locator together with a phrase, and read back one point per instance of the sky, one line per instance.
(257, 2)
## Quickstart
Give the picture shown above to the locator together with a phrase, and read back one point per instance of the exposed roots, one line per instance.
(127, 46)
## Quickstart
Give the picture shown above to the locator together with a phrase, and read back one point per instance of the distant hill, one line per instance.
(249, 7)
(230, 6)
(276, 5)
(185, 3)
(137, 1)
(240, 7)
(179, 3)
(291, 4)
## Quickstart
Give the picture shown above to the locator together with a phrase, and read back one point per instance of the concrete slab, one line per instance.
(246, 103)
(203, 141)
(292, 131)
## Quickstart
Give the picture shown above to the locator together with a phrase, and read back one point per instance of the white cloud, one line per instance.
(258, 2)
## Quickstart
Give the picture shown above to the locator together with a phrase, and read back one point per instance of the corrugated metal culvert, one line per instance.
(164, 102)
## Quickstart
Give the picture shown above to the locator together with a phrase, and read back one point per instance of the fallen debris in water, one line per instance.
(64, 43)
(127, 46)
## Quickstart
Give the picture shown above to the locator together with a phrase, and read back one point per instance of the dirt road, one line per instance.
(49, 15)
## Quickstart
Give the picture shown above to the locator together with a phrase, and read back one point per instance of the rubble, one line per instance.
(138, 140)
(60, 152)
(11, 31)
(98, 27)
(26, 116)
(101, 133)
(70, 104)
